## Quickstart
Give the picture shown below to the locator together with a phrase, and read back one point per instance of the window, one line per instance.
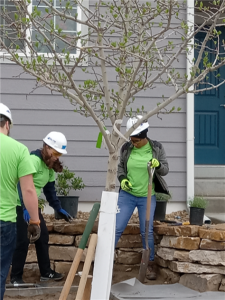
(69, 28)
(47, 21)
(8, 8)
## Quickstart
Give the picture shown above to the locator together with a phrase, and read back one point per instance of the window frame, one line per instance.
(5, 56)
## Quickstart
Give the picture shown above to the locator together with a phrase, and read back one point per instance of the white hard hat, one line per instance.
(5, 111)
(140, 128)
(57, 141)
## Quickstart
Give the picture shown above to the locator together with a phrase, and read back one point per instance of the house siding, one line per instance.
(35, 113)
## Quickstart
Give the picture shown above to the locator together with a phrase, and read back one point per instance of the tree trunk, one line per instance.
(112, 171)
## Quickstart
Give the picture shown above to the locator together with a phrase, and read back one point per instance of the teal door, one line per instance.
(209, 127)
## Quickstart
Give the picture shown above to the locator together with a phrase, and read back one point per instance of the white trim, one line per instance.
(190, 113)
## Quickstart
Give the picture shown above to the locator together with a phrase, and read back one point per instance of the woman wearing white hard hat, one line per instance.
(133, 176)
(46, 163)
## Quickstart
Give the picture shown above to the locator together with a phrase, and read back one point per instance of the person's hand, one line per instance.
(65, 215)
(155, 163)
(33, 232)
(26, 216)
(126, 185)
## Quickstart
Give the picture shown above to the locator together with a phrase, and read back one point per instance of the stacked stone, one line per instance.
(192, 255)
(64, 239)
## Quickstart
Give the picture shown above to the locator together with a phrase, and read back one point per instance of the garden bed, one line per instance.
(185, 254)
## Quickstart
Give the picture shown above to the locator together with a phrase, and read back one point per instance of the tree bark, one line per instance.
(111, 176)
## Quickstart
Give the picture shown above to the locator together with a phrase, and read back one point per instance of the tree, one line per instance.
(51, 40)
(138, 42)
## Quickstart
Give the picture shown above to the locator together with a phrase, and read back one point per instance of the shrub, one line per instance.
(198, 202)
(67, 181)
(162, 197)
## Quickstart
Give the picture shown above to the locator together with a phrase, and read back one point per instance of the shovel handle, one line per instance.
(146, 251)
(87, 265)
(150, 172)
(79, 253)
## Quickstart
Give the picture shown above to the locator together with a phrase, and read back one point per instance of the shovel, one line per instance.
(21, 285)
(146, 252)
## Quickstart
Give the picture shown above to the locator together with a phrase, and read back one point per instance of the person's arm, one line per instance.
(121, 174)
(30, 198)
(163, 169)
(50, 194)
(53, 200)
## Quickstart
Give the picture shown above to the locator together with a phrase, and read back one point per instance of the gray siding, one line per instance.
(39, 112)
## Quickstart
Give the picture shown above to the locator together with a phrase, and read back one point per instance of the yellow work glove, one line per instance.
(155, 163)
(126, 185)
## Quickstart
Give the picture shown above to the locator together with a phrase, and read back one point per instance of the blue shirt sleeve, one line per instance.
(50, 194)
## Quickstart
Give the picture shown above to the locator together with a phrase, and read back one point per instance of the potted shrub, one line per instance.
(197, 210)
(65, 182)
(161, 203)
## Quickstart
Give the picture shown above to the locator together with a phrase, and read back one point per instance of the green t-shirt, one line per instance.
(137, 172)
(42, 175)
(15, 162)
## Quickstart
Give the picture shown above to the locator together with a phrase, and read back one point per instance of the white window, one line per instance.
(10, 10)
(67, 29)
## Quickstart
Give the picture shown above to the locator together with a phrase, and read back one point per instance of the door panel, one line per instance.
(210, 116)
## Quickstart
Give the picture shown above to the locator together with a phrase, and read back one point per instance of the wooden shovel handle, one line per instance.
(87, 265)
(70, 276)
(148, 208)
(80, 250)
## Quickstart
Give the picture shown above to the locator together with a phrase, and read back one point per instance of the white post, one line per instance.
(190, 108)
(103, 265)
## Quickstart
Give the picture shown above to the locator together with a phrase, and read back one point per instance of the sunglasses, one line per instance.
(55, 153)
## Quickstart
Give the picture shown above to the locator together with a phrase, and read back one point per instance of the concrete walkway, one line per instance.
(132, 289)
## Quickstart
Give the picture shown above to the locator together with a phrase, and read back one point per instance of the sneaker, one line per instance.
(17, 281)
(52, 275)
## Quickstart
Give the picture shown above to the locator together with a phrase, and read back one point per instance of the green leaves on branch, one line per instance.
(140, 110)
(90, 84)
(67, 181)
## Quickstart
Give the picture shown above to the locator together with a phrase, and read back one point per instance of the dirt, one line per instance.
(118, 276)
(180, 216)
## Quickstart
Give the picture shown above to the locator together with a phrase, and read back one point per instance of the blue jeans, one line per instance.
(7, 244)
(127, 203)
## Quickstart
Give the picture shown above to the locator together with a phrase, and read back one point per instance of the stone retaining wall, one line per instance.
(191, 255)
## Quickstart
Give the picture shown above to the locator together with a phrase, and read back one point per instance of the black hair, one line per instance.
(142, 134)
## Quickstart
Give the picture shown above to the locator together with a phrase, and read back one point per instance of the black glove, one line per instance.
(64, 214)
(33, 232)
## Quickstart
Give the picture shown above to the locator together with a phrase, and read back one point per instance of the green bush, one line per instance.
(162, 197)
(198, 202)
(67, 181)
(41, 203)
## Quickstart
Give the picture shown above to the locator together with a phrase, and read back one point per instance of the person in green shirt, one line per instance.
(133, 176)
(16, 165)
(46, 163)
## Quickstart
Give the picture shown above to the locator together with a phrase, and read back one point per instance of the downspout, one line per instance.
(190, 113)
(190, 118)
